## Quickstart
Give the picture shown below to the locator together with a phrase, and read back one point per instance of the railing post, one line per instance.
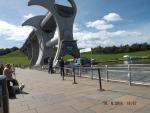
(92, 73)
(80, 71)
(100, 83)
(63, 73)
(129, 74)
(106, 68)
(74, 76)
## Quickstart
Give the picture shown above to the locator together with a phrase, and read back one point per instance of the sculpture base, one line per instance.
(69, 48)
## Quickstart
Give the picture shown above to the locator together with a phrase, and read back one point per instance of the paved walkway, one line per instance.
(46, 93)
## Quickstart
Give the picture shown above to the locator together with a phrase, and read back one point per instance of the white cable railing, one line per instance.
(131, 73)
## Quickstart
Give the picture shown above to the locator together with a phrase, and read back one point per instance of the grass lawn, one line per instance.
(19, 57)
(16, 57)
(114, 56)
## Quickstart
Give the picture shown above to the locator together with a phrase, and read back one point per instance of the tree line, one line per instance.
(7, 50)
(97, 50)
(121, 49)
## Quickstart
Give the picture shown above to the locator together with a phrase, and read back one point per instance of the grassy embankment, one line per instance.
(110, 59)
(16, 57)
(115, 56)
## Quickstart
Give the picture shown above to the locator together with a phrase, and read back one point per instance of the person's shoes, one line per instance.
(21, 87)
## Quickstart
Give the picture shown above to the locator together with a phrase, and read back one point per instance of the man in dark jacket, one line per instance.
(61, 64)
(50, 65)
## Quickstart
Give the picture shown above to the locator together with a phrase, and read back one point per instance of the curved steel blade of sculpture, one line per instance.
(35, 48)
(27, 49)
(33, 41)
(64, 17)
(42, 37)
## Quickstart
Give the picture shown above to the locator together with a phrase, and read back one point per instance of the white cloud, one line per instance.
(92, 39)
(100, 25)
(88, 39)
(13, 32)
(103, 37)
(28, 16)
(104, 23)
(112, 17)
(123, 33)
(76, 27)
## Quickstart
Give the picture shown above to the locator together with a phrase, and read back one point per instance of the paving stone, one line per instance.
(102, 108)
(86, 111)
(46, 93)
(131, 102)
(29, 111)
(145, 109)
(19, 109)
(120, 110)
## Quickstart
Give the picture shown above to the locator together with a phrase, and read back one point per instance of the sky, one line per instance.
(97, 23)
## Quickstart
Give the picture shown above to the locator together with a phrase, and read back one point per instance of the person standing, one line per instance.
(61, 64)
(50, 65)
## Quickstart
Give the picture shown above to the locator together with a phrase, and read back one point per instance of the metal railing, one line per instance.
(76, 71)
(131, 73)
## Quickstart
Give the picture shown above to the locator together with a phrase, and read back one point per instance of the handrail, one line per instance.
(129, 71)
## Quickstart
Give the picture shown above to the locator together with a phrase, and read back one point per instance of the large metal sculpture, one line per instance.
(58, 16)
(42, 37)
